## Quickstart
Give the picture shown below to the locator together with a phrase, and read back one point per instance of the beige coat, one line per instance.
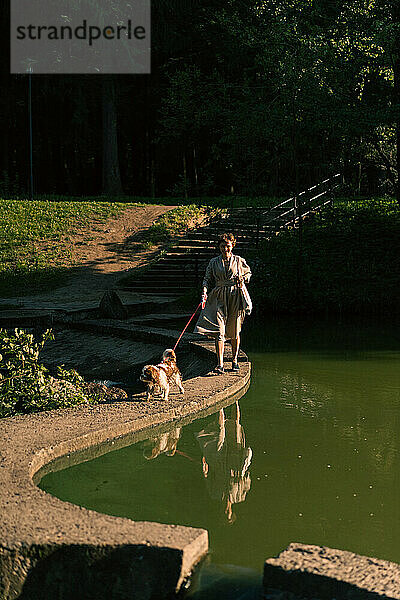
(223, 314)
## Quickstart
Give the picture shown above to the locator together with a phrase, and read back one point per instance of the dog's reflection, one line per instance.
(163, 444)
(226, 460)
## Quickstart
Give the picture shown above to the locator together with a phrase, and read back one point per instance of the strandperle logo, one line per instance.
(81, 32)
(80, 36)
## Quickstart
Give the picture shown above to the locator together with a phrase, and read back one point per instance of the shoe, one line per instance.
(235, 367)
(219, 370)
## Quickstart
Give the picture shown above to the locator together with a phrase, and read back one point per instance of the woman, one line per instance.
(224, 311)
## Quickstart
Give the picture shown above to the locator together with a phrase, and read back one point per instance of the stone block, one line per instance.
(111, 306)
(318, 572)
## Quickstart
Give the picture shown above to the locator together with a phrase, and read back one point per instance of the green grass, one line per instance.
(349, 262)
(212, 201)
(35, 252)
(174, 223)
(31, 255)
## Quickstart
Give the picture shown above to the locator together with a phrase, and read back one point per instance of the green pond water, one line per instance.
(309, 454)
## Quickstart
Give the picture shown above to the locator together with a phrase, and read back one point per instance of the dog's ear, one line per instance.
(153, 372)
(148, 371)
(169, 354)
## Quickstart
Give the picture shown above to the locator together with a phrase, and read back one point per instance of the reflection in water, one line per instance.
(226, 460)
(225, 457)
(162, 444)
(322, 416)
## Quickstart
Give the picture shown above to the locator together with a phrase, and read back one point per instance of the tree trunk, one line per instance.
(111, 180)
(185, 187)
(196, 177)
(153, 179)
(5, 171)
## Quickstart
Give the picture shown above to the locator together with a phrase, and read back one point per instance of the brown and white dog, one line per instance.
(162, 375)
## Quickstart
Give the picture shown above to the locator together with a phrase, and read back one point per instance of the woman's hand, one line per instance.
(204, 298)
(239, 281)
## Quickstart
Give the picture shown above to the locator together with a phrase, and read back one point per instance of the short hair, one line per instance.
(226, 237)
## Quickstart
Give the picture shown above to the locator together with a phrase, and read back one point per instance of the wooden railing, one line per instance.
(292, 210)
(300, 205)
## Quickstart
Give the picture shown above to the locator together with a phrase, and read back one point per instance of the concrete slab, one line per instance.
(319, 572)
(53, 549)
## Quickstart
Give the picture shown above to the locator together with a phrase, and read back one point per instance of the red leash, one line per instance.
(187, 324)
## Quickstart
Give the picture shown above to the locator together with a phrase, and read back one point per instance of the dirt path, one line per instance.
(102, 254)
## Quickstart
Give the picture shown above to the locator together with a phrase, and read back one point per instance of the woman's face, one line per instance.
(226, 249)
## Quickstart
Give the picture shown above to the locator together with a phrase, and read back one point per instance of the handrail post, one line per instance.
(299, 274)
(300, 204)
(294, 210)
(258, 227)
(196, 268)
(331, 192)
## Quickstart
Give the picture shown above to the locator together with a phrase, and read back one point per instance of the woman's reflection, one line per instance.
(226, 460)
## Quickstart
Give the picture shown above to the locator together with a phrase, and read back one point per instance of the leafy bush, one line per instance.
(26, 385)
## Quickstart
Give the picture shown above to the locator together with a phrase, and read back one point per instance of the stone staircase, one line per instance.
(182, 267)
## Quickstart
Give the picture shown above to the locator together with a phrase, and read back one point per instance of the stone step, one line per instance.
(309, 571)
(244, 232)
(188, 247)
(160, 280)
(237, 224)
(176, 261)
(242, 237)
(173, 292)
(167, 270)
(200, 240)
(152, 282)
(184, 255)
(161, 316)
(161, 277)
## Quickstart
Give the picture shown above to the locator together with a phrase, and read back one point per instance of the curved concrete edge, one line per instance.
(44, 540)
(309, 571)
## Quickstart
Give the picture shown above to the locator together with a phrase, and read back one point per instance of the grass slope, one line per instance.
(35, 249)
(32, 256)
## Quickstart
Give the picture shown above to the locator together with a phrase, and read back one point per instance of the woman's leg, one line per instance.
(235, 343)
(220, 339)
(219, 349)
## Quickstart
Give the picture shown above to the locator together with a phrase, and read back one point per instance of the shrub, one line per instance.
(348, 261)
(25, 384)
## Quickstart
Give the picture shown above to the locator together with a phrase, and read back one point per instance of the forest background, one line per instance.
(248, 98)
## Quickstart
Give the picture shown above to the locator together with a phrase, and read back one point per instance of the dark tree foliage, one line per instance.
(263, 97)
